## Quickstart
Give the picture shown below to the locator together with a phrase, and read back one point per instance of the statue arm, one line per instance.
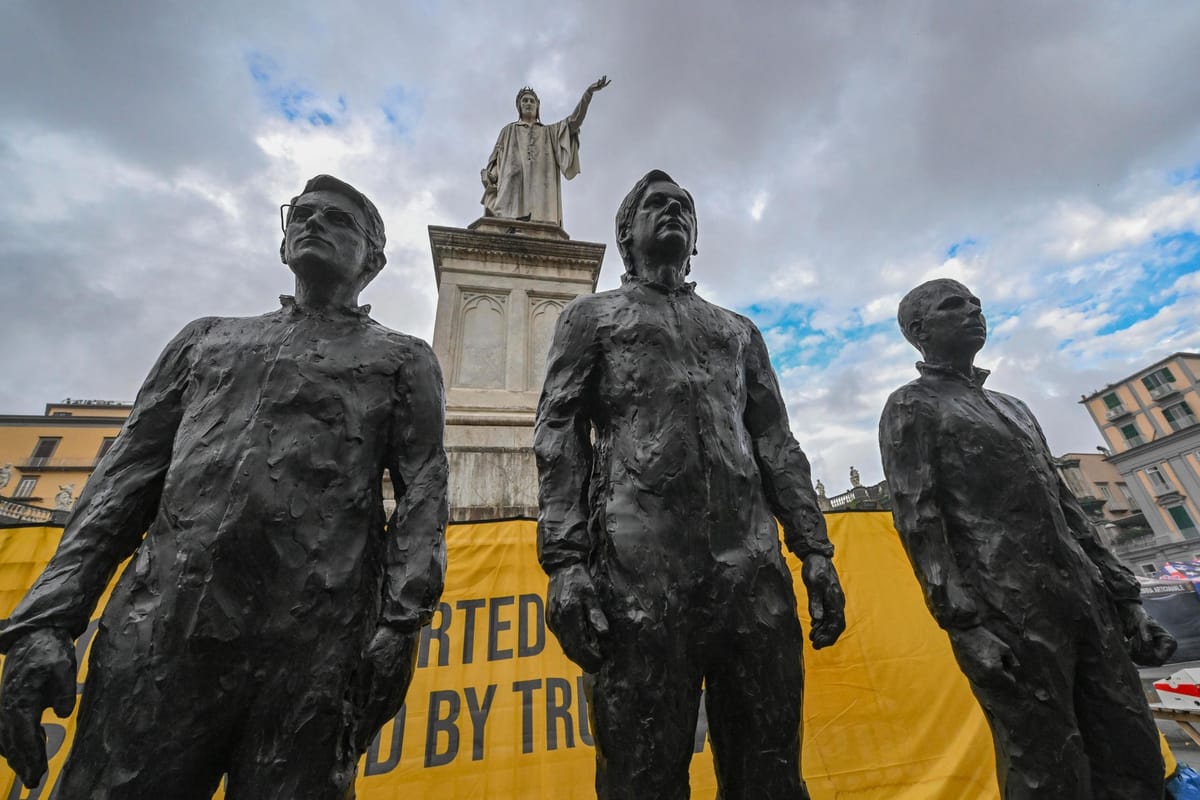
(415, 565)
(1150, 644)
(787, 482)
(1118, 580)
(562, 442)
(908, 443)
(575, 120)
(117, 505)
(786, 474)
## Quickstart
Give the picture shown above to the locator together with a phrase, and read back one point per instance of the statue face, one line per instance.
(953, 323)
(664, 224)
(325, 239)
(529, 107)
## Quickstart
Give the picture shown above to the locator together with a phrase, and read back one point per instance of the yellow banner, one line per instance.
(496, 711)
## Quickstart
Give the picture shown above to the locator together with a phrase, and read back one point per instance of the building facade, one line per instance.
(1109, 502)
(1148, 421)
(45, 459)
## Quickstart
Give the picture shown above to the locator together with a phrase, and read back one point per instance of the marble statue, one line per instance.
(265, 627)
(64, 498)
(521, 178)
(855, 478)
(664, 458)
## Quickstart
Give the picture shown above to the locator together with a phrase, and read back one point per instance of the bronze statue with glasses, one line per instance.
(265, 625)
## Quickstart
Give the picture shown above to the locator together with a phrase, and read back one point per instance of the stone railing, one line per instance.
(20, 512)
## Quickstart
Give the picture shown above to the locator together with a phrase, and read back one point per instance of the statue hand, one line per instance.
(39, 673)
(985, 657)
(1150, 645)
(389, 662)
(574, 615)
(826, 600)
(599, 84)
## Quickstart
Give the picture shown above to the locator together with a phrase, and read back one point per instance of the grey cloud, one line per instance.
(879, 133)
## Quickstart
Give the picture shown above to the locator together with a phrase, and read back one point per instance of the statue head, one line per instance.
(636, 230)
(943, 319)
(333, 227)
(525, 113)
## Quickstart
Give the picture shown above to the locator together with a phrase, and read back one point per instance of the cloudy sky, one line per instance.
(1047, 154)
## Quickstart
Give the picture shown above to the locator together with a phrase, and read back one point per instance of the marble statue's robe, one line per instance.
(526, 162)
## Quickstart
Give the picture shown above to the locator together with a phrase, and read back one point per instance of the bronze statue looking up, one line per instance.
(1043, 619)
(664, 458)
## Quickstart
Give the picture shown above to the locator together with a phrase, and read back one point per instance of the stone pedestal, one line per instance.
(501, 286)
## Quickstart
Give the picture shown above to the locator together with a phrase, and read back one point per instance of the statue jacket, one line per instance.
(247, 487)
(663, 445)
(991, 529)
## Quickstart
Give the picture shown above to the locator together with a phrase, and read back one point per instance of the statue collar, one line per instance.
(976, 379)
(289, 304)
(687, 287)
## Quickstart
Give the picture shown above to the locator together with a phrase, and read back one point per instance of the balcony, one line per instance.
(1164, 390)
(1116, 412)
(1180, 422)
(37, 464)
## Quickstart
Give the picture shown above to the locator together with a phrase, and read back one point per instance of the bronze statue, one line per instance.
(664, 458)
(1042, 618)
(521, 178)
(265, 625)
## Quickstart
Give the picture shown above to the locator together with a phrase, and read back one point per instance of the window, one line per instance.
(1148, 570)
(1157, 481)
(1179, 416)
(1104, 492)
(1160, 377)
(105, 446)
(1130, 432)
(1124, 489)
(1183, 521)
(43, 450)
(1111, 400)
(25, 487)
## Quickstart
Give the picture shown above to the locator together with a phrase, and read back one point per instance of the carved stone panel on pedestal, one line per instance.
(501, 286)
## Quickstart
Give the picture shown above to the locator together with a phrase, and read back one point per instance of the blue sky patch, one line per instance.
(1166, 259)
(289, 97)
(1182, 175)
(965, 244)
(807, 345)
(402, 108)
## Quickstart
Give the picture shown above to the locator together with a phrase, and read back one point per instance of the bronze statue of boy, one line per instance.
(1042, 617)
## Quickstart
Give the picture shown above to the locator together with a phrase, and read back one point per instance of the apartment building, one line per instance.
(1148, 420)
(45, 459)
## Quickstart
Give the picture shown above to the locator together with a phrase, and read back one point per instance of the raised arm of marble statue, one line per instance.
(416, 537)
(787, 483)
(575, 120)
(907, 433)
(117, 505)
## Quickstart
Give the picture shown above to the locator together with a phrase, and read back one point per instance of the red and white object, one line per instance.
(1181, 690)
